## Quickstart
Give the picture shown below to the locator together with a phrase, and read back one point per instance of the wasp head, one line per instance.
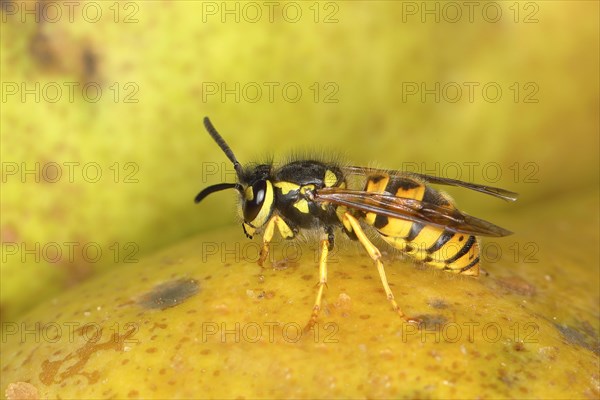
(254, 186)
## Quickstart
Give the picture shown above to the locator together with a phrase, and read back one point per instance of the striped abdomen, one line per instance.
(438, 247)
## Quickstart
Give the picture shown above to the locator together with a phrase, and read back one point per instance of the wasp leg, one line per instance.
(284, 230)
(375, 254)
(325, 245)
(330, 237)
(267, 236)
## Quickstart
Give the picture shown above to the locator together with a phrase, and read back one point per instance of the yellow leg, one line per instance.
(376, 256)
(321, 284)
(284, 230)
(267, 236)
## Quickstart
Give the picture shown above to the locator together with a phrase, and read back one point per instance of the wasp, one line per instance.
(401, 207)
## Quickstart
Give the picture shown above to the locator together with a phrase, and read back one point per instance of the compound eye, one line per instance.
(255, 199)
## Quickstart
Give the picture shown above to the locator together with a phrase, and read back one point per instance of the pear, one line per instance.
(103, 149)
(201, 320)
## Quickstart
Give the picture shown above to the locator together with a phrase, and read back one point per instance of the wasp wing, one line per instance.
(492, 191)
(447, 217)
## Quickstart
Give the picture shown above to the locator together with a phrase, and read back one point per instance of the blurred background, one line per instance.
(103, 148)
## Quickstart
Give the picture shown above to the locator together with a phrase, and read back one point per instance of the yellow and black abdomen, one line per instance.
(438, 247)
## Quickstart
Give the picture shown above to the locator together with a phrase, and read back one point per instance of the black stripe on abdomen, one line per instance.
(471, 265)
(442, 240)
(465, 249)
(380, 221)
(415, 229)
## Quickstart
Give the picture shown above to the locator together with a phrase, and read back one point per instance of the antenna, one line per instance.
(236, 165)
(217, 188)
(223, 145)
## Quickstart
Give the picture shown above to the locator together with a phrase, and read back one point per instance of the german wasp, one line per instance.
(401, 207)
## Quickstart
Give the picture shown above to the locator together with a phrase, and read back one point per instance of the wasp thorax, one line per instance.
(258, 202)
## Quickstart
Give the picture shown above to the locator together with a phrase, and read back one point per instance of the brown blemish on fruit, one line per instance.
(41, 49)
(386, 354)
(431, 322)
(125, 304)
(21, 391)
(523, 389)
(255, 294)
(29, 357)
(169, 294)
(73, 363)
(342, 275)
(90, 62)
(8, 233)
(90, 331)
(56, 51)
(517, 285)
(170, 261)
(157, 325)
(582, 336)
(77, 268)
(519, 346)
(438, 304)
(181, 342)
(280, 265)
(506, 378)
(343, 304)
(133, 394)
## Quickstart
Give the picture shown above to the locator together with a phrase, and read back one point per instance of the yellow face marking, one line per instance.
(267, 207)
(330, 178)
(249, 193)
(286, 187)
(302, 206)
